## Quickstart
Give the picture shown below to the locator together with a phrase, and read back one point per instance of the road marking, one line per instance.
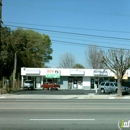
(64, 108)
(41, 103)
(62, 119)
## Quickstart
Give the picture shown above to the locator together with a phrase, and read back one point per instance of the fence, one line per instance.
(7, 88)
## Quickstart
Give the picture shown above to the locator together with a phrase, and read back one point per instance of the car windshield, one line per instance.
(102, 84)
(115, 84)
(28, 81)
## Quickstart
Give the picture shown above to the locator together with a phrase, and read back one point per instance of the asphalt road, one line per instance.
(54, 92)
(63, 114)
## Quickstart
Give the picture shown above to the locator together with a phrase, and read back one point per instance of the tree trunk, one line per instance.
(119, 92)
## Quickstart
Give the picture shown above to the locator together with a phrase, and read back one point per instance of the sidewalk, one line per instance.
(89, 96)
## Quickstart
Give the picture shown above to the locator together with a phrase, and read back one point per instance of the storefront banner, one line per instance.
(32, 71)
(100, 73)
(77, 72)
(53, 74)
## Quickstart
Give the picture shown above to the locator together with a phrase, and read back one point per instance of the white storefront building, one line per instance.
(69, 78)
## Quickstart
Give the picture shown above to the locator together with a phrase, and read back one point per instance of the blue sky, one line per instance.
(72, 24)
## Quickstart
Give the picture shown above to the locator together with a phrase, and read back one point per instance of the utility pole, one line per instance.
(0, 34)
(0, 22)
(14, 71)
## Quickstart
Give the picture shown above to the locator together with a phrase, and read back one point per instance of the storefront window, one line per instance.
(51, 80)
(75, 82)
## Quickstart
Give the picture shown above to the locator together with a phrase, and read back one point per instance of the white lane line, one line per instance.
(62, 119)
(14, 108)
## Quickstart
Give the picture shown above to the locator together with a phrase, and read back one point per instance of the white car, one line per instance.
(28, 84)
(109, 87)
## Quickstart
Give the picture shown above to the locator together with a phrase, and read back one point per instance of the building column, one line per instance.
(41, 80)
(22, 82)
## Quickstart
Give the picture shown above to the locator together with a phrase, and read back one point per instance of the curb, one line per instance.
(11, 96)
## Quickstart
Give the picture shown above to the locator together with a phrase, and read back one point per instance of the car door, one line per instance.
(112, 87)
(115, 87)
(107, 88)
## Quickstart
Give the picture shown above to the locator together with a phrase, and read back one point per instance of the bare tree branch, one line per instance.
(118, 61)
(94, 57)
(67, 60)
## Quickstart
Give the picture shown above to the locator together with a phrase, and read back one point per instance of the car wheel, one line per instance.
(102, 90)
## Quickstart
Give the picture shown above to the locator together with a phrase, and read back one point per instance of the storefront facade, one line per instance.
(68, 78)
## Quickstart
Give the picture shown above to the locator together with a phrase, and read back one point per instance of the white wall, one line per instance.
(64, 72)
(86, 83)
(88, 73)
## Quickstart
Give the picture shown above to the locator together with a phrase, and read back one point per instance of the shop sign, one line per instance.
(53, 74)
(32, 71)
(100, 73)
(77, 72)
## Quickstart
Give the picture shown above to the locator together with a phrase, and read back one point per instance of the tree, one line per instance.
(79, 66)
(32, 49)
(118, 61)
(67, 60)
(5, 53)
(93, 57)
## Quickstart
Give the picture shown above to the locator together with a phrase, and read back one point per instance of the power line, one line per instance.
(74, 43)
(103, 30)
(71, 33)
(92, 41)
(82, 44)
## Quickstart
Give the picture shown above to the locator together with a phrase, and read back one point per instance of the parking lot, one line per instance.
(57, 92)
(54, 92)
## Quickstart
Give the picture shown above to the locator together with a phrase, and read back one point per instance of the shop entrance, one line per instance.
(95, 81)
(92, 83)
(75, 82)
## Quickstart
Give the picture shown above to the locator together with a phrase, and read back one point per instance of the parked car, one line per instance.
(51, 86)
(28, 84)
(109, 87)
(125, 89)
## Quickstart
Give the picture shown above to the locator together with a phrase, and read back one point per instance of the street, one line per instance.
(54, 92)
(59, 92)
(39, 114)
